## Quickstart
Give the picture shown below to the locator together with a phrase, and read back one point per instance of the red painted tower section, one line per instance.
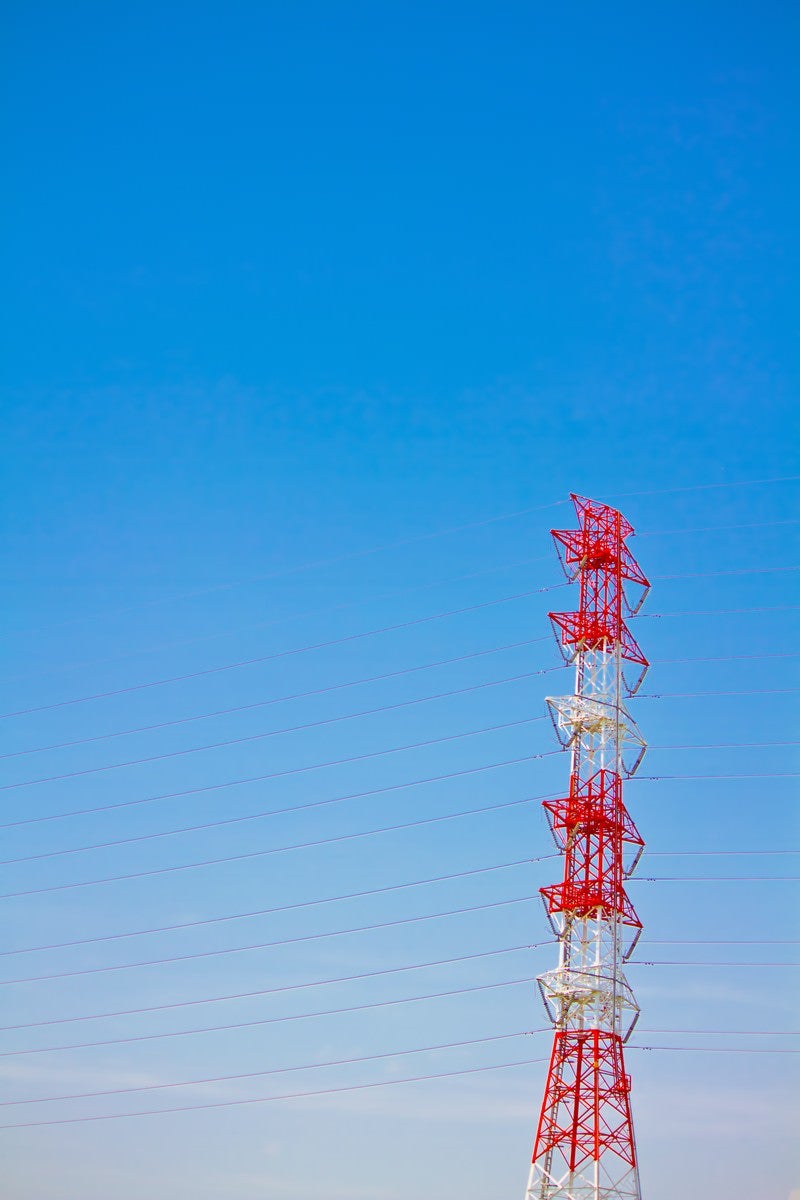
(584, 1147)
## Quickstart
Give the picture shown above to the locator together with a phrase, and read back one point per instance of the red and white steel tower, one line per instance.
(584, 1147)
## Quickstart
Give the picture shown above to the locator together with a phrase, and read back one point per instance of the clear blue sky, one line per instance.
(297, 299)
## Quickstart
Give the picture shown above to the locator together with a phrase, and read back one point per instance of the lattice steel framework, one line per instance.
(584, 1147)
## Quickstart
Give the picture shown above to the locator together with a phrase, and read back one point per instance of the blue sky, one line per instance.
(313, 317)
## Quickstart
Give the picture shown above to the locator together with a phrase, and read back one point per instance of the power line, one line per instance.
(703, 487)
(242, 663)
(719, 574)
(154, 1087)
(341, 1062)
(264, 912)
(260, 992)
(214, 787)
(715, 612)
(302, 845)
(697, 695)
(255, 737)
(250, 854)
(278, 942)
(324, 1091)
(714, 879)
(279, 1020)
(204, 826)
(716, 528)
(294, 616)
(279, 654)
(270, 812)
(291, 1096)
(770, 775)
(257, 704)
(402, 542)
(225, 821)
(726, 658)
(688, 963)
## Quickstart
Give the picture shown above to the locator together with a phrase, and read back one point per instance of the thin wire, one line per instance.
(277, 942)
(280, 908)
(714, 879)
(695, 695)
(354, 1087)
(256, 737)
(262, 912)
(727, 746)
(715, 528)
(688, 963)
(251, 854)
(731, 658)
(294, 616)
(708, 853)
(271, 812)
(214, 787)
(279, 654)
(720, 1049)
(718, 574)
(258, 993)
(338, 799)
(327, 1012)
(313, 1066)
(315, 564)
(731, 1032)
(702, 487)
(325, 1091)
(662, 778)
(257, 704)
(716, 612)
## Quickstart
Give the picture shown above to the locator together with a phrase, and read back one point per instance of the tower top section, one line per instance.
(612, 586)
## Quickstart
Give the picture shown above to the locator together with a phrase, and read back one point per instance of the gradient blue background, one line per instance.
(297, 286)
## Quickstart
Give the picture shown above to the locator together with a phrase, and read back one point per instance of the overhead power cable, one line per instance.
(280, 908)
(416, 539)
(316, 564)
(713, 879)
(705, 487)
(313, 804)
(329, 643)
(328, 1012)
(287, 810)
(259, 1021)
(171, 959)
(251, 854)
(215, 787)
(640, 533)
(280, 654)
(312, 1066)
(279, 989)
(293, 1069)
(341, 1089)
(305, 695)
(719, 574)
(199, 827)
(291, 617)
(278, 942)
(346, 896)
(355, 1087)
(257, 737)
(715, 612)
(299, 845)
(756, 775)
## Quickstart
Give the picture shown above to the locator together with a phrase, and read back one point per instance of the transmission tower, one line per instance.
(584, 1147)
